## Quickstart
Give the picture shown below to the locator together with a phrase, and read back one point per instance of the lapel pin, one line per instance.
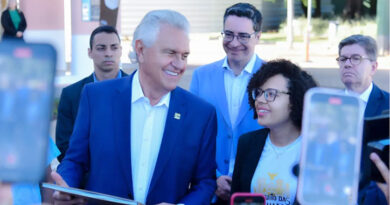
(177, 116)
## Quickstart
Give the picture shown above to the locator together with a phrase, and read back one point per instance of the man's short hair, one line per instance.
(149, 26)
(102, 29)
(245, 10)
(366, 42)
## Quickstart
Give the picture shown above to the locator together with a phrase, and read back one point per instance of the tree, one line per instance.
(352, 9)
(356, 8)
(317, 7)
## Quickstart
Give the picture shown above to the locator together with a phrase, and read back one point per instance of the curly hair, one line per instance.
(299, 81)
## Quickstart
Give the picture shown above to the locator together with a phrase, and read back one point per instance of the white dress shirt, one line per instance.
(235, 88)
(96, 80)
(365, 95)
(147, 128)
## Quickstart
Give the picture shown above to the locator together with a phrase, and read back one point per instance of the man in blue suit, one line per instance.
(142, 137)
(358, 64)
(105, 51)
(223, 84)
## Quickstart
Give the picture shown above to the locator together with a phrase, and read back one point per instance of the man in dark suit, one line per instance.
(358, 64)
(105, 50)
(142, 137)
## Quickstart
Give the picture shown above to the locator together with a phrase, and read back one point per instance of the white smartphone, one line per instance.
(331, 147)
(26, 89)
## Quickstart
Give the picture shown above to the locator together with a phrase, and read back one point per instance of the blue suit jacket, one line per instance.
(100, 144)
(377, 103)
(208, 83)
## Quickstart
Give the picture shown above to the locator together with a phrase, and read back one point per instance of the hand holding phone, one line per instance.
(385, 172)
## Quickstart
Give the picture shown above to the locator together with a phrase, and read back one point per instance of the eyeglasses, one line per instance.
(269, 94)
(241, 37)
(355, 59)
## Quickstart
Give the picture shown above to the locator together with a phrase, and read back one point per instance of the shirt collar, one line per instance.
(248, 68)
(365, 95)
(96, 80)
(137, 93)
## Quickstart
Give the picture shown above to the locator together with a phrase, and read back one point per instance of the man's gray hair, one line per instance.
(366, 42)
(149, 26)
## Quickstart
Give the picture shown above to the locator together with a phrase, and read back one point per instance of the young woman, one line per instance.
(265, 157)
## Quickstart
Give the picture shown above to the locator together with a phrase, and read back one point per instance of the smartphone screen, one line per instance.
(331, 147)
(247, 199)
(26, 89)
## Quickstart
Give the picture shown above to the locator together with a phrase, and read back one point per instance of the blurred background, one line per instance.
(289, 31)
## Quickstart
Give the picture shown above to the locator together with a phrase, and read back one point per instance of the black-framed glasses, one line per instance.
(355, 59)
(241, 37)
(269, 94)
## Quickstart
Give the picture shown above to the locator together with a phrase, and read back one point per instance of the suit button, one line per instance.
(229, 136)
(226, 161)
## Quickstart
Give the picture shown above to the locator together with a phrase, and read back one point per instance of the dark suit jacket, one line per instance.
(100, 144)
(67, 112)
(377, 102)
(369, 192)
(249, 149)
(9, 28)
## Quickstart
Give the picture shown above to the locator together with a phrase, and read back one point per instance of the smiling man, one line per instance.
(136, 135)
(223, 84)
(105, 51)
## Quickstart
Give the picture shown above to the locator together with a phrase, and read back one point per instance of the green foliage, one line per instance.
(319, 26)
(313, 3)
(365, 26)
(56, 101)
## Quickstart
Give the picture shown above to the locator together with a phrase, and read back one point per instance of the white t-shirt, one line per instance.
(273, 176)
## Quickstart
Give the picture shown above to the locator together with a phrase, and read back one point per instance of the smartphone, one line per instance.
(331, 147)
(376, 139)
(381, 148)
(247, 199)
(26, 94)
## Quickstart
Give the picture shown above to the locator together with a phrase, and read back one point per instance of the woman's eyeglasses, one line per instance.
(269, 94)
